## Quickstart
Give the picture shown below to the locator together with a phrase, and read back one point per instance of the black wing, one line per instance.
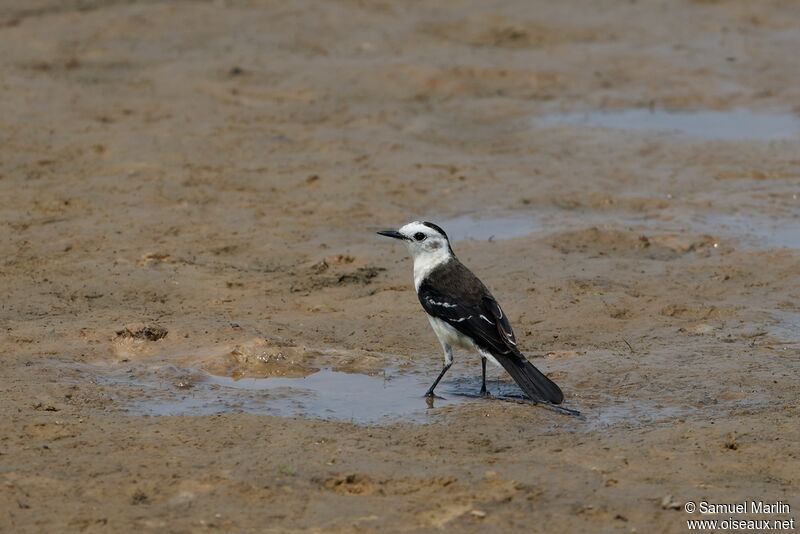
(483, 321)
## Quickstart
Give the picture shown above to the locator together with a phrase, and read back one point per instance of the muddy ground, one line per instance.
(190, 189)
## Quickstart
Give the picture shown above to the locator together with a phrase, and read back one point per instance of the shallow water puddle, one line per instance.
(759, 232)
(326, 394)
(357, 398)
(330, 395)
(751, 230)
(730, 125)
(786, 330)
(470, 228)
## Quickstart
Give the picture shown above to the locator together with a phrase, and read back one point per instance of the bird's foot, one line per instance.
(430, 397)
(485, 393)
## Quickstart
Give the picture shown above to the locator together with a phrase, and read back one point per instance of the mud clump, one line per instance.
(626, 244)
(143, 332)
(668, 502)
(139, 497)
(504, 32)
(154, 258)
(353, 484)
(261, 358)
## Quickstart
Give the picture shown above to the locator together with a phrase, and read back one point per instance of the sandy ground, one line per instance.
(217, 169)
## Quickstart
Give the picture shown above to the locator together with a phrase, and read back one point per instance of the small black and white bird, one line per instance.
(463, 313)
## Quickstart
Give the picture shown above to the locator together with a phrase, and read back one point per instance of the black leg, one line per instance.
(483, 385)
(444, 370)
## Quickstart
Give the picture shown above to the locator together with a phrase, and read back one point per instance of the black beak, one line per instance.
(392, 233)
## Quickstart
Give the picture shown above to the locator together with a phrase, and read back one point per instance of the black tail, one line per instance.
(531, 380)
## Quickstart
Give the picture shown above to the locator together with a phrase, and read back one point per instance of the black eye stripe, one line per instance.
(419, 236)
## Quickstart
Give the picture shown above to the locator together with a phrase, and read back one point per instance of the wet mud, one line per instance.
(202, 332)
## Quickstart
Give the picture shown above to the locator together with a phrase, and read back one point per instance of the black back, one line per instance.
(454, 295)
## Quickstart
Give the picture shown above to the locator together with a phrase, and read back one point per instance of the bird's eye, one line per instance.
(419, 236)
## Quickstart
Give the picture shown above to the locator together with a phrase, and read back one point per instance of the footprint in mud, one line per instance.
(336, 271)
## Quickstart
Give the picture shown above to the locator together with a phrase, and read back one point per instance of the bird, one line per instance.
(463, 313)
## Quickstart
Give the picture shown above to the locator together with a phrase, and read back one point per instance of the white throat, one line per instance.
(427, 261)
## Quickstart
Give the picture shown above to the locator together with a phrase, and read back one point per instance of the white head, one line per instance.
(427, 243)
